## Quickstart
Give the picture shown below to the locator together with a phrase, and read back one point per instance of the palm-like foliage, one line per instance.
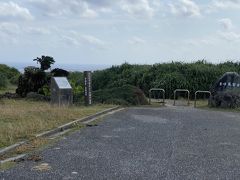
(45, 62)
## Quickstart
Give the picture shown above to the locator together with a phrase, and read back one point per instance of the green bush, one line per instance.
(45, 90)
(199, 75)
(76, 78)
(11, 74)
(3, 81)
(33, 80)
(36, 79)
(124, 95)
(37, 97)
(77, 93)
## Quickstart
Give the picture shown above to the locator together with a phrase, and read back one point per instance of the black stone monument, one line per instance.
(226, 91)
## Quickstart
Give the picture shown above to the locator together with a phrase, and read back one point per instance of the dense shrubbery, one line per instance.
(36, 79)
(77, 92)
(123, 95)
(37, 97)
(8, 76)
(3, 81)
(109, 84)
(34, 83)
(170, 76)
(32, 80)
(76, 80)
(117, 76)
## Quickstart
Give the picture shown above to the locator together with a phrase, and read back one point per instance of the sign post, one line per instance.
(88, 88)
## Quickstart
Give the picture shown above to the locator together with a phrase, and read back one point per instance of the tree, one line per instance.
(36, 79)
(32, 80)
(45, 62)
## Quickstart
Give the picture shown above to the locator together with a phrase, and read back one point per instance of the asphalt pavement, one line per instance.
(144, 143)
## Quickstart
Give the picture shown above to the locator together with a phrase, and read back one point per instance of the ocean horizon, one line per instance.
(68, 67)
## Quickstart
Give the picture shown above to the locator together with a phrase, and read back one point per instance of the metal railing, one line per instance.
(157, 89)
(181, 90)
(197, 92)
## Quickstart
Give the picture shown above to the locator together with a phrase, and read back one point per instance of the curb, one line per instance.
(71, 124)
(57, 130)
(9, 148)
(13, 158)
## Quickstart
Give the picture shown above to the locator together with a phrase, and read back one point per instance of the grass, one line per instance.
(10, 88)
(201, 103)
(7, 165)
(21, 119)
(204, 105)
(31, 148)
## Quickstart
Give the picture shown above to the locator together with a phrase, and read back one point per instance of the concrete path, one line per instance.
(144, 143)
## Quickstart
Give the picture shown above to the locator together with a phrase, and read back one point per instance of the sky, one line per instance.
(112, 32)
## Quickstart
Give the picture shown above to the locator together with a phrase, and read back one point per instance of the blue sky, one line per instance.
(117, 31)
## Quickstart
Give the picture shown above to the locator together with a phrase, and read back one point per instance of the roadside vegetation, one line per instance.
(21, 119)
(203, 104)
(8, 78)
(200, 75)
(123, 95)
(9, 89)
(123, 85)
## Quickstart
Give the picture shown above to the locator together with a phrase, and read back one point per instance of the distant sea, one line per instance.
(68, 67)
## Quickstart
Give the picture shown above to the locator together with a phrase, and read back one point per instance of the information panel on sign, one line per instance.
(62, 83)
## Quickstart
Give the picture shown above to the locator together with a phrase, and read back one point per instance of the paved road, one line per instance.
(145, 143)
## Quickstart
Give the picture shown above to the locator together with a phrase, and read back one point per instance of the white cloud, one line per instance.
(226, 4)
(6, 39)
(226, 23)
(9, 28)
(200, 41)
(64, 8)
(92, 40)
(9, 32)
(77, 39)
(37, 30)
(81, 8)
(137, 8)
(70, 40)
(88, 13)
(11, 10)
(156, 3)
(136, 40)
(92, 8)
(187, 8)
(230, 36)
